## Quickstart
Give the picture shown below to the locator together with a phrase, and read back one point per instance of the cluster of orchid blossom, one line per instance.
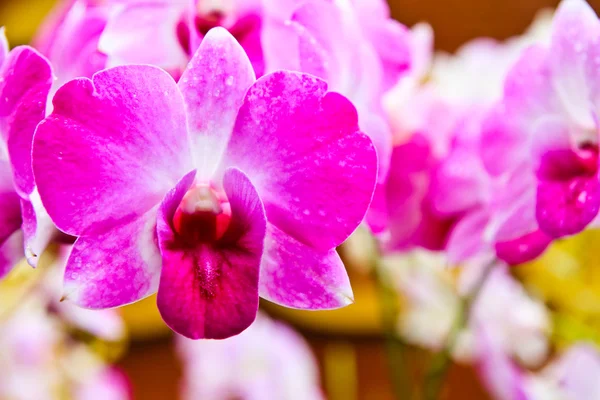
(55, 350)
(216, 152)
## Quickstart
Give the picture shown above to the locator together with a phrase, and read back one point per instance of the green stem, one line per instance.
(441, 362)
(395, 348)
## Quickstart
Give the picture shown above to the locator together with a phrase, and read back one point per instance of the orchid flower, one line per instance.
(39, 360)
(69, 39)
(25, 80)
(199, 188)
(520, 323)
(573, 375)
(267, 361)
(167, 33)
(354, 46)
(546, 128)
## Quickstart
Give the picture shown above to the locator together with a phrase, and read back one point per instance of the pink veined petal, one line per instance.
(528, 88)
(467, 238)
(391, 39)
(301, 147)
(11, 251)
(73, 49)
(145, 33)
(112, 147)
(26, 81)
(339, 53)
(37, 226)
(353, 72)
(213, 86)
(295, 275)
(210, 290)
(459, 182)
(575, 38)
(116, 266)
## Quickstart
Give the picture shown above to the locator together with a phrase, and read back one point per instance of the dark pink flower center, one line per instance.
(203, 215)
(567, 164)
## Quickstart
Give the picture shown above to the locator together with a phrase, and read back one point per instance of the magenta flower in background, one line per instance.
(69, 39)
(546, 129)
(198, 188)
(25, 80)
(167, 33)
(267, 361)
(355, 46)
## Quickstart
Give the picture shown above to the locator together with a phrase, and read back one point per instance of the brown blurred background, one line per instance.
(152, 365)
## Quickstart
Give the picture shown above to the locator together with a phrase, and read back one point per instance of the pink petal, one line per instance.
(411, 219)
(301, 147)
(211, 290)
(459, 183)
(213, 86)
(142, 32)
(11, 251)
(575, 43)
(467, 239)
(577, 371)
(295, 275)
(391, 39)
(502, 377)
(112, 147)
(10, 211)
(567, 207)
(114, 266)
(528, 88)
(73, 49)
(376, 127)
(26, 80)
(37, 226)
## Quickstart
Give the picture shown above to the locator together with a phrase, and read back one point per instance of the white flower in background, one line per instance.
(268, 361)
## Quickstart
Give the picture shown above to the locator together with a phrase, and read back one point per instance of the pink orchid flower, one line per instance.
(573, 375)
(267, 361)
(25, 80)
(199, 188)
(354, 45)
(547, 128)
(166, 33)
(69, 39)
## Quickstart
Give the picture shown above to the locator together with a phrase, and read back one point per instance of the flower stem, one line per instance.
(441, 362)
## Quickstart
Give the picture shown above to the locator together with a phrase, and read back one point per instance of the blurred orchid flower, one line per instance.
(196, 189)
(520, 323)
(40, 361)
(546, 128)
(69, 39)
(25, 80)
(267, 361)
(167, 33)
(573, 375)
(354, 45)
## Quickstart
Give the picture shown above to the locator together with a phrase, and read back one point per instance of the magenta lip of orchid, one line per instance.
(212, 191)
